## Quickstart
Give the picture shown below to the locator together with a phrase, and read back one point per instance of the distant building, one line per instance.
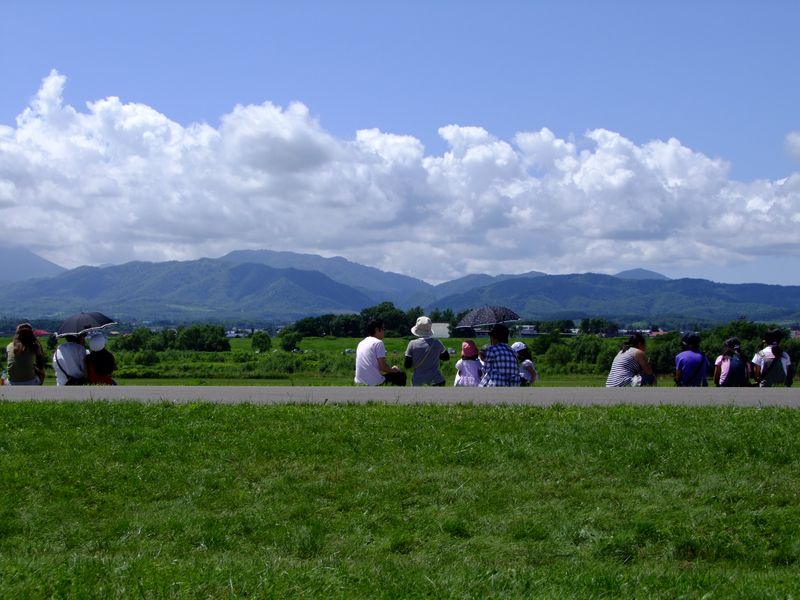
(441, 330)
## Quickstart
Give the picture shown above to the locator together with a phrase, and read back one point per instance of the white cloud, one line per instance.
(121, 181)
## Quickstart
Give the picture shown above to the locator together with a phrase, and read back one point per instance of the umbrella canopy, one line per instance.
(40, 332)
(83, 322)
(486, 316)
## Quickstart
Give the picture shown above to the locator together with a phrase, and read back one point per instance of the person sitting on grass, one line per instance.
(68, 361)
(691, 365)
(25, 358)
(527, 370)
(468, 369)
(500, 363)
(730, 368)
(424, 355)
(371, 365)
(100, 363)
(771, 365)
(630, 367)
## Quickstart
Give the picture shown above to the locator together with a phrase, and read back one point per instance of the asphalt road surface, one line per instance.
(575, 396)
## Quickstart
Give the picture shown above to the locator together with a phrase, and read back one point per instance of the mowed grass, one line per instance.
(105, 500)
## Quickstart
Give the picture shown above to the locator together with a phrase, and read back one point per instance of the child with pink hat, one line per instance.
(468, 369)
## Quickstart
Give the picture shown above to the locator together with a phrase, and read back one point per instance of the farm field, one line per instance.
(200, 500)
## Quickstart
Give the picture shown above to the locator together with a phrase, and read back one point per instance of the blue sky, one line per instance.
(692, 169)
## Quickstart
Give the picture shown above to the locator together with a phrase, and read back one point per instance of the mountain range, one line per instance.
(269, 286)
(18, 264)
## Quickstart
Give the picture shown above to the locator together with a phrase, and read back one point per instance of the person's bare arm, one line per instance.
(641, 358)
(384, 366)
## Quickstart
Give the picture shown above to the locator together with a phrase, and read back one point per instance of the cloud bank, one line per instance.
(121, 181)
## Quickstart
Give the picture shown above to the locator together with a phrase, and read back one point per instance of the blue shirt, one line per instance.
(693, 366)
(500, 367)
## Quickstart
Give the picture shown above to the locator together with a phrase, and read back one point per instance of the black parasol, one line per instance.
(486, 316)
(83, 322)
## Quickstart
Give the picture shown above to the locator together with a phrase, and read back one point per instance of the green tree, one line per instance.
(134, 341)
(290, 339)
(346, 326)
(394, 319)
(260, 341)
(202, 338)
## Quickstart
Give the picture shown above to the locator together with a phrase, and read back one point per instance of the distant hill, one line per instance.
(593, 295)
(203, 289)
(19, 264)
(240, 287)
(376, 284)
(641, 274)
(461, 285)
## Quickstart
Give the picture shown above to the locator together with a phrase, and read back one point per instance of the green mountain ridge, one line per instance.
(593, 295)
(188, 290)
(228, 289)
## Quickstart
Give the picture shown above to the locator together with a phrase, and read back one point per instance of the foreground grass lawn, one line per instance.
(129, 500)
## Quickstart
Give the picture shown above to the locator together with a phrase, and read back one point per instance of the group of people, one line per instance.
(496, 365)
(73, 362)
(769, 367)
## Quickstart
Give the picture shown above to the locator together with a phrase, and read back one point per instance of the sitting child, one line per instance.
(527, 370)
(468, 368)
(99, 363)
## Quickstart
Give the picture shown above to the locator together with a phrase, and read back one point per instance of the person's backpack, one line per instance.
(737, 372)
(772, 373)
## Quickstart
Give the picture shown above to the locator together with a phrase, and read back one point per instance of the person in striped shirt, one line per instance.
(630, 366)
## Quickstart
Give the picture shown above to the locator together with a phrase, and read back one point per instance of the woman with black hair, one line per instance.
(630, 366)
(730, 368)
(771, 365)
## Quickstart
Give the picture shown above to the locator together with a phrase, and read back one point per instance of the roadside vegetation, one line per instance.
(320, 350)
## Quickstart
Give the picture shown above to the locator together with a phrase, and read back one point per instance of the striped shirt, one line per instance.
(624, 367)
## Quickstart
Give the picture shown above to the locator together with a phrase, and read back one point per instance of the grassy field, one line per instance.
(203, 501)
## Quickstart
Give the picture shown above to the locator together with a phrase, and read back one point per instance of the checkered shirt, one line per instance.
(500, 367)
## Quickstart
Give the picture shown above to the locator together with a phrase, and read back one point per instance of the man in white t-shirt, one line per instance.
(68, 360)
(371, 365)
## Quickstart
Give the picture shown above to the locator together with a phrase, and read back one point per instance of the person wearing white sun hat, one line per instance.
(100, 363)
(424, 354)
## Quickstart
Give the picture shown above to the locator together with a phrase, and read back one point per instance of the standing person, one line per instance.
(630, 366)
(371, 365)
(424, 355)
(691, 365)
(500, 364)
(68, 361)
(771, 365)
(468, 369)
(100, 363)
(730, 368)
(25, 358)
(527, 370)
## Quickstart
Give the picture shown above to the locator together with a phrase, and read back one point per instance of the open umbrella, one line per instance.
(486, 316)
(83, 322)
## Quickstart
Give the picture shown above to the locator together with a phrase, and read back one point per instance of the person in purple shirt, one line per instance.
(691, 365)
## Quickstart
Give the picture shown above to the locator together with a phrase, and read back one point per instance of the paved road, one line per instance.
(785, 397)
